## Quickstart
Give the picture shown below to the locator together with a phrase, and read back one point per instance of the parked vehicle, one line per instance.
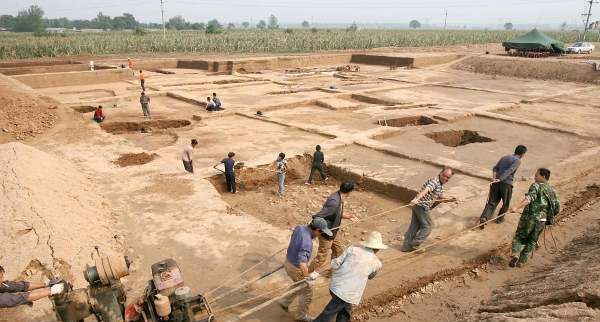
(581, 47)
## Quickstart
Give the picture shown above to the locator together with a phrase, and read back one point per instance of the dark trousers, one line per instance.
(188, 166)
(419, 229)
(142, 82)
(230, 179)
(342, 311)
(318, 167)
(498, 191)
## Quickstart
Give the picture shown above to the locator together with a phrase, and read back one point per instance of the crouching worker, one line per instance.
(350, 274)
(18, 293)
(296, 265)
(541, 206)
(99, 114)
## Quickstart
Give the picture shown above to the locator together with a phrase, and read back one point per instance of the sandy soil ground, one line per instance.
(437, 116)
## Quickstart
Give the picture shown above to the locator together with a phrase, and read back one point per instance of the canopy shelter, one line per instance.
(534, 40)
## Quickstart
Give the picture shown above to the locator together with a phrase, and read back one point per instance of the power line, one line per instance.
(162, 12)
(587, 17)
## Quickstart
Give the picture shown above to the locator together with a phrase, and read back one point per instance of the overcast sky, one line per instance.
(460, 12)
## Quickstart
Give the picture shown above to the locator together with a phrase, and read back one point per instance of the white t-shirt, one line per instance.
(187, 153)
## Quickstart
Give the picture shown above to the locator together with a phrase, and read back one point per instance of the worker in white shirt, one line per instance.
(350, 274)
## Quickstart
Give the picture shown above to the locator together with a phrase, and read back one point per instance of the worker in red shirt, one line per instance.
(99, 115)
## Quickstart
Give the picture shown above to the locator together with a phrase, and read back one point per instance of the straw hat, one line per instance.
(374, 241)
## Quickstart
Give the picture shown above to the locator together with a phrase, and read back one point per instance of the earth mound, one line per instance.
(52, 218)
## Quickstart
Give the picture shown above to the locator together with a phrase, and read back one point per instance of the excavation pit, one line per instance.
(131, 159)
(454, 138)
(407, 121)
(143, 127)
(84, 108)
(257, 196)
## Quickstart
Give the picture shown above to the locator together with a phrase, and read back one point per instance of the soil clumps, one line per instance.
(23, 113)
(129, 159)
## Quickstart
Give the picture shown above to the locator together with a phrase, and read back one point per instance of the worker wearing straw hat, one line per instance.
(351, 272)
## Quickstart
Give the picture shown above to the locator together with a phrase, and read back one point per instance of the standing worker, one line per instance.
(92, 66)
(333, 213)
(541, 207)
(502, 185)
(142, 80)
(281, 165)
(421, 223)
(296, 265)
(145, 101)
(317, 164)
(188, 164)
(229, 164)
(129, 63)
(351, 271)
(18, 293)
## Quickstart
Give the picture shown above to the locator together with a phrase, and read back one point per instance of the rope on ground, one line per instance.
(421, 251)
(248, 283)
(460, 233)
(350, 223)
(555, 247)
(246, 271)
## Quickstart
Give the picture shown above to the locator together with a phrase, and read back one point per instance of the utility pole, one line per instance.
(445, 19)
(162, 11)
(587, 17)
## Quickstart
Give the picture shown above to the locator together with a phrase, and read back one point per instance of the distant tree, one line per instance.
(7, 21)
(129, 19)
(261, 24)
(414, 24)
(353, 27)
(139, 31)
(214, 27)
(245, 24)
(177, 22)
(30, 20)
(102, 22)
(198, 26)
(230, 26)
(563, 26)
(305, 24)
(508, 26)
(273, 22)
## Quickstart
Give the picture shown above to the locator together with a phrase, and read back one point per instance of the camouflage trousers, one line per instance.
(526, 237)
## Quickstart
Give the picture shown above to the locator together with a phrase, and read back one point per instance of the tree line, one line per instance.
(32, 20)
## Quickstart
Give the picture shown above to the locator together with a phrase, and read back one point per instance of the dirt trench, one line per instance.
(144, 126)
(454, 138)
(407, 121)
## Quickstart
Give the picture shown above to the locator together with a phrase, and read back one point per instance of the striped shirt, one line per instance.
(436, 190)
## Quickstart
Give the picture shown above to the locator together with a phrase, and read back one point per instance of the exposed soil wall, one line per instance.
(52, 217)
(75, 78)
(43, 69)
(539, 68)
(382, 60)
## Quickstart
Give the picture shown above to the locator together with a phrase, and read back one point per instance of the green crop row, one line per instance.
(23, 45)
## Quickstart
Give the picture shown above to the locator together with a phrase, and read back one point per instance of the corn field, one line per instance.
(15, 45)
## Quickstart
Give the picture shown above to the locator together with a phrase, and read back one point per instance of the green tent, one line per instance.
(534, 40)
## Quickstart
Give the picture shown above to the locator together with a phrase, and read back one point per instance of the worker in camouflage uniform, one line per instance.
(541, 206)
